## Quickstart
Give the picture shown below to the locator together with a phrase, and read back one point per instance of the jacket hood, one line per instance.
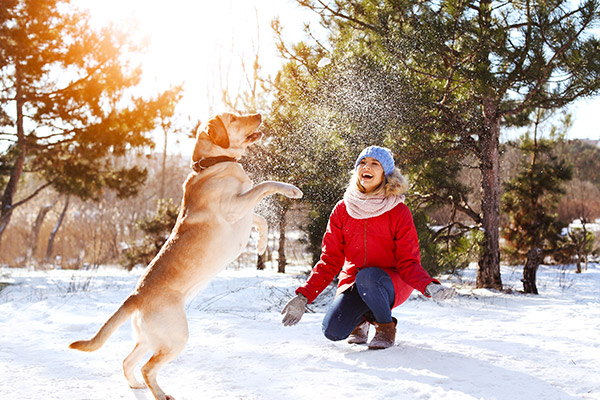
(396, 184)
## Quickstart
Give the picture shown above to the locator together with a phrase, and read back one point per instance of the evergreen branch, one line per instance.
(336, 13)
(425, 73)
(471, 143)
(519, 61)
(317, 41)
(570, 14)
(546, 73)
(455, 224)
(501, 5)
(58, 134)
(32, 195)
(461, 206)
(286, 53)
(518, 25)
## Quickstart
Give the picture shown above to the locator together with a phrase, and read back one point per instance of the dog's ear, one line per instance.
(217, 132)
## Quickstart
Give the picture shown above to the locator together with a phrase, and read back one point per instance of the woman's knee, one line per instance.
(333, 332)
(369, 277)
(375, 287)
(344, 315)
(332, 335)
(339, 324)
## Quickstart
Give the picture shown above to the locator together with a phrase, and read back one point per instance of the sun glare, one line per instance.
(201, 44)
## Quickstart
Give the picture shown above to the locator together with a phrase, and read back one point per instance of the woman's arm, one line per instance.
(332, 257)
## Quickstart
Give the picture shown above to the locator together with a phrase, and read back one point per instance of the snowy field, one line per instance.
(480, 345)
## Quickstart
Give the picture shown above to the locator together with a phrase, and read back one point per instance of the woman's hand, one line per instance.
(294, 310)
(439, 292)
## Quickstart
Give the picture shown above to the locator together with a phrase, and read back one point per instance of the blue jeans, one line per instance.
(373, 291)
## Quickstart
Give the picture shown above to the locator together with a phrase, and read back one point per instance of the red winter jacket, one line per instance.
(388, 241)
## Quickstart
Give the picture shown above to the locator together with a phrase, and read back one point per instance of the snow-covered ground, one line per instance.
(480, 345)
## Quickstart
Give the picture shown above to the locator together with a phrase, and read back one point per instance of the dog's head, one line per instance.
(227, 134)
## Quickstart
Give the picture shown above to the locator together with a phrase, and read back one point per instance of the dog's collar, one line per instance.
(204, 163)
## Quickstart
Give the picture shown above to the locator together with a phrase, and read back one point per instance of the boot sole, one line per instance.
(380, 347)
(357, 342)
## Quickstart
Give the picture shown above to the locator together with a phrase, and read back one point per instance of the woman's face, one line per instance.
(370, 173)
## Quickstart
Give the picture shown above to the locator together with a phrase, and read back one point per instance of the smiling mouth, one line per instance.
(367, 176)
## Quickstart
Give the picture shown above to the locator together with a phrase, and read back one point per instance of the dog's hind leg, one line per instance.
(168, 333)
(154, 364)
(131, 362)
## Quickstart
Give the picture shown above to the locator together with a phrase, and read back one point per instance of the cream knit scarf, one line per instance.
(362, 206)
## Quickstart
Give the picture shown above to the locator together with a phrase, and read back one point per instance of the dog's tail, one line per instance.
(109, 327)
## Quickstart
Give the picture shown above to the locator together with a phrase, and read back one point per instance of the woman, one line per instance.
(371, 238)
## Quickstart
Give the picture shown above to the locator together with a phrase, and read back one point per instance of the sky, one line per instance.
(585, 119)
(201, 44)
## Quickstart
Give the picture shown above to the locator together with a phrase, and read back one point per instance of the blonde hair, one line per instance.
(394, 185)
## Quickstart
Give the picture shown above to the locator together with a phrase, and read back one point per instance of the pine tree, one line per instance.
(530, 201)
(448, 75)
(156, 229)
(66, 103)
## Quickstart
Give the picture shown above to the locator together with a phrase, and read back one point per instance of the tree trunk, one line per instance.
(260, 262)
(488, 275)
(9, 192)
(585, 247)
(578, 260)
(282, 260)
(534, 258)
(35, 230)
(21, 153)
(580, 244)
(61, 219)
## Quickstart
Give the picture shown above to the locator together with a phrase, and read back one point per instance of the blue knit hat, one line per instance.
(381, 154)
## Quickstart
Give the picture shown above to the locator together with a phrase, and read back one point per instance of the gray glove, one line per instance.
(439, 292)
(294, 310)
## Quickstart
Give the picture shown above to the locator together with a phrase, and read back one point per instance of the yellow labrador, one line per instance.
(212, 229)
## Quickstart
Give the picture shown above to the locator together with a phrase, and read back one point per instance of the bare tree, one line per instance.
(59, 223)
(35, 229)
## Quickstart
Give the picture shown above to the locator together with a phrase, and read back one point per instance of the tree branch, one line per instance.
(335, 13)
(546, 73)
(461, 206)
(32, 195)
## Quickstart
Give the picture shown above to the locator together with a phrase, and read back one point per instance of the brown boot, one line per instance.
(385, 335)
(360, 334)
